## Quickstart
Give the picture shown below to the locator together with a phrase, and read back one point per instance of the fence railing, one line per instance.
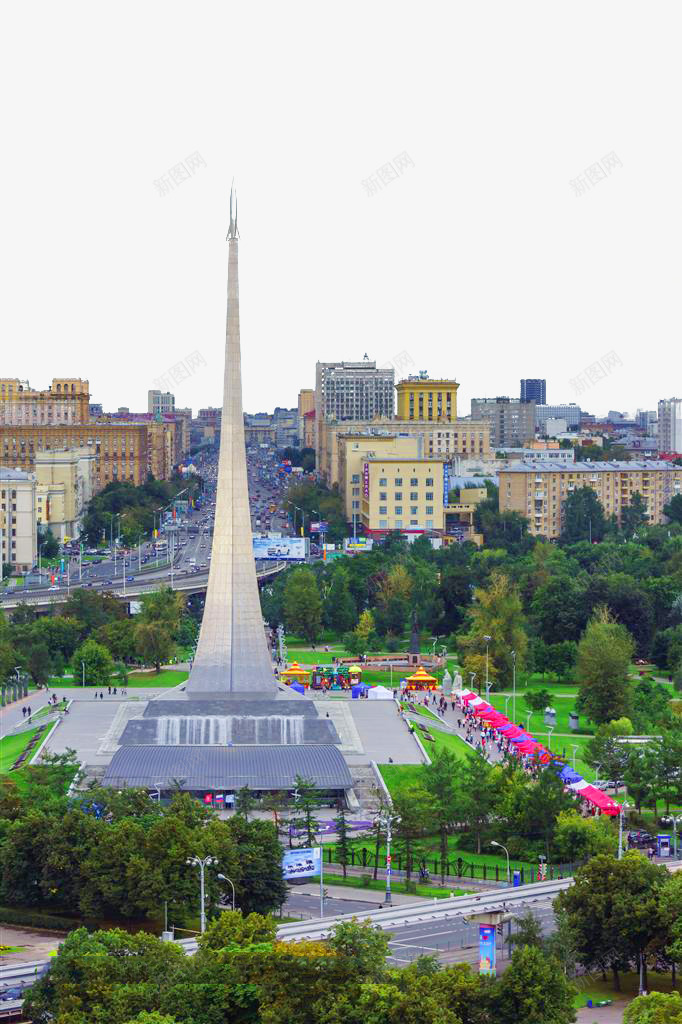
(454, 867)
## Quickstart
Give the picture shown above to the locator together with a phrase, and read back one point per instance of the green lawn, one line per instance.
(419, 709)
(596, 989)
(12, 746)
(429, 847)
(537, 721)
(166, 677)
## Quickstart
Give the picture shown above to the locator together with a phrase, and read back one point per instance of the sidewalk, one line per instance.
(358, 895)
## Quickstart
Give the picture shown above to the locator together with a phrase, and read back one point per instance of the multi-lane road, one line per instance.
(184, 554)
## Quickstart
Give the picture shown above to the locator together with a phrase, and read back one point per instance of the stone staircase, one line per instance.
(365, 786)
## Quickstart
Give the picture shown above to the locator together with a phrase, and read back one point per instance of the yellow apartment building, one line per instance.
(420, 398)
(539, 491)
(466, 438)
(355, 449)
(402, 494)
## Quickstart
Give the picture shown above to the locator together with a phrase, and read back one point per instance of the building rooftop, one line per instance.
(551, 465)
(14, 474)
(213, 767)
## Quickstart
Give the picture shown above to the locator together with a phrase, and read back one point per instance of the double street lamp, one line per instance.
(388, 820)
(202, 864)
(624, 808)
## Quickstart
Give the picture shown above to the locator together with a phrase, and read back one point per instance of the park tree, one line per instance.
(342, 846)
(340, 613)
(39, 663)
(164, 607)
(533, 988)
(538, 700)
(93, 662)
(478, 796)
(634, 515)
(153, 643)
(558, 608)
(92, 609)
(673, 510)
(576, 838)
(302, 818)
(583, 517)
(244, 802)
(364, 945)
(363, 638)
(232, 928)
(655, 1008)
(302, 604)
(604, 655)
(410, 806)
(119, 638)
(496, 612)
(613, 910)
(444, 780)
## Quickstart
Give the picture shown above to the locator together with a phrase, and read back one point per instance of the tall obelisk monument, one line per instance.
(232, 654)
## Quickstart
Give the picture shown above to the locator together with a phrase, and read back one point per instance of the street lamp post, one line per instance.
(624, 808)
(550, 730)
(513, 654)
(501, 847)
(83, 667)
(575, 748)
(388, 820)
(529, 715)
(472, 676)
(224, 878)
(202, 864)
(486, 640)
(506, 703)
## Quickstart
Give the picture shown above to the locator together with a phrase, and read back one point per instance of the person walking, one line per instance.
(109, 690)
(23, 711)
(101, 696)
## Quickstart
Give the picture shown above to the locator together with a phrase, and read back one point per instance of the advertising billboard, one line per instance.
(319, 527)
(301, 863)
(446, 482)
(486, 949)
(351, 544)
(282, 549)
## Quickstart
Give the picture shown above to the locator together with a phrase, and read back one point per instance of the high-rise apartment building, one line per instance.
(160, 402)
(420, 398)
(670, 425)
(533, 389)
(66, 401)
(539, 491)
(512, 422)
(353, 391)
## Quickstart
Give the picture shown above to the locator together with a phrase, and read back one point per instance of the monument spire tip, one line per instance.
(232, 231)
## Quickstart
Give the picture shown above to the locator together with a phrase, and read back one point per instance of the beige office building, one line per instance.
(467, 438)
(539, 491)
(65, 483)
(123, 451)
(18, 524)
(306, 405)
(355, 450)
(66, 401)
(404, 494)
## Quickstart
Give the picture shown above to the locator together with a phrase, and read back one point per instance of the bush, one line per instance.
(37, 919)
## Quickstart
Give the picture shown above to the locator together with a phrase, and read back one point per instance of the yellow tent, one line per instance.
(294, 672)
(421, 678)
(355, 670)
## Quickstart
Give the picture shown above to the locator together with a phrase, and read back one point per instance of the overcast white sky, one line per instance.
(478, 260)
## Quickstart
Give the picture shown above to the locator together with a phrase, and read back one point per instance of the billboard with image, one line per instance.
(301, 863)
(280, 549)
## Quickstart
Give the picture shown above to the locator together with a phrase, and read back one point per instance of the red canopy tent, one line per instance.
(483, 709)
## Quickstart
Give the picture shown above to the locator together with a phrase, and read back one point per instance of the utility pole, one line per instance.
(513, 654)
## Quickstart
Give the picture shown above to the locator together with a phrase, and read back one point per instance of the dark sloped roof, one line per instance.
(258, 767)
